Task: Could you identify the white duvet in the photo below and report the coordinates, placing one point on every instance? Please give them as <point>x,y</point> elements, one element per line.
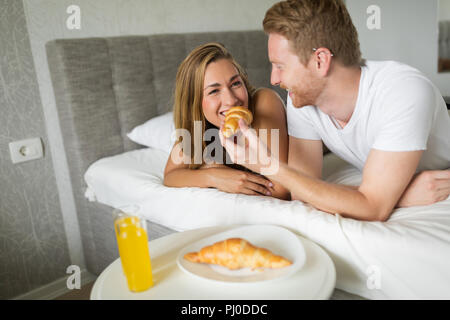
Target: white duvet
<point>407,257</point>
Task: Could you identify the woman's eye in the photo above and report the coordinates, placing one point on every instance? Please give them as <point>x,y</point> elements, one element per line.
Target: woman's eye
<point>213,91</point>
<point>237,83</point>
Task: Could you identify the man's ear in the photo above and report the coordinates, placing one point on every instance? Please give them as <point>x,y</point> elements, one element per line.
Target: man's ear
<point>322,60</point>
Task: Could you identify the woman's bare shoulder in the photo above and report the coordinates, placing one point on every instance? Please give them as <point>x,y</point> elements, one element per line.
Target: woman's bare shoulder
<point>267,93</point>
<point>268,101</point>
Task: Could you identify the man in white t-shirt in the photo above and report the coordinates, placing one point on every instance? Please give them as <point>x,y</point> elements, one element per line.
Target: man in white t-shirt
<point>397,109</point>
<point>385,118</point>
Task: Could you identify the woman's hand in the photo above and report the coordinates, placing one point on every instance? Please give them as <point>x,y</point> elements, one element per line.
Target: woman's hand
<point>236,181</point>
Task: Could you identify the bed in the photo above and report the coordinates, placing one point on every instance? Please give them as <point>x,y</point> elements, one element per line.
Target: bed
<point>105,87</point>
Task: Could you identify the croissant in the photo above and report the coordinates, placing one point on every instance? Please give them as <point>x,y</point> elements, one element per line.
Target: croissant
<point>232,117</point>
<point>236,253</point>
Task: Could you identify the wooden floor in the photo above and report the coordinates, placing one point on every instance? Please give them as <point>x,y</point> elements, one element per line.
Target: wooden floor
<point>82,294</point>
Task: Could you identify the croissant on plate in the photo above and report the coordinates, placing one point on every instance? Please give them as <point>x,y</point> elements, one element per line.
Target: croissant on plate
<point>236,253</point>
<point>232,117</point>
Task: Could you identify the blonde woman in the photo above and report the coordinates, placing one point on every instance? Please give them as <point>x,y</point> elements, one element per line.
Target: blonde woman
<point>209,82</point>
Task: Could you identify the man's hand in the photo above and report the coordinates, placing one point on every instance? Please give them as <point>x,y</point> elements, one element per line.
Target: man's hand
<point>426,188</point>
<point>250,151</point>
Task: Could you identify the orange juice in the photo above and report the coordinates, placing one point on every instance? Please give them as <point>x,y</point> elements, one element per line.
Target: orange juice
<point>133,249</point>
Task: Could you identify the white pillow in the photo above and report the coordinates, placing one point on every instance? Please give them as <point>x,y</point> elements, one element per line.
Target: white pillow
<point>157,133</point>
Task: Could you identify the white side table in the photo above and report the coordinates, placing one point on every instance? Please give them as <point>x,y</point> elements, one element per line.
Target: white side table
<point>316,279</point>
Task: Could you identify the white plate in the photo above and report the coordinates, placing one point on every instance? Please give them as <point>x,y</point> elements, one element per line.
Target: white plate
<point>276,239</point>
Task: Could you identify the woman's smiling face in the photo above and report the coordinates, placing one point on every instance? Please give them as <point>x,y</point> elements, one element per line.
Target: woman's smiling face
<point>223,88</point>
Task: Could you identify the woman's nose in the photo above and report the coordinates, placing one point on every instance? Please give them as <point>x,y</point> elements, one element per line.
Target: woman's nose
<point>230,98</point>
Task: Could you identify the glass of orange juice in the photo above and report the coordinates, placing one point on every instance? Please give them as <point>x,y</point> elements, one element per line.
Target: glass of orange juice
<point>132,241</point>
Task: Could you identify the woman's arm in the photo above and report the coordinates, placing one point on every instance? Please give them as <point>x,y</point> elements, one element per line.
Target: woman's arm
<point>179,175</point>
<point>218,176</point>
<point>269,113</point>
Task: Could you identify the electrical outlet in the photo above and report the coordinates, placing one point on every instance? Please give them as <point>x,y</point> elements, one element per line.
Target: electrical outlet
<point>26,150</point>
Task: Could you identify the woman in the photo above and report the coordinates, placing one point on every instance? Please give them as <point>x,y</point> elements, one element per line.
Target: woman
<point>209,82</point>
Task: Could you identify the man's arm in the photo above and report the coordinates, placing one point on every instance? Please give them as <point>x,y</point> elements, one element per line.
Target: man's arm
<point>305,156</point>
<point>269,114</point>
<point>385,177</point>
<point>424,188</point>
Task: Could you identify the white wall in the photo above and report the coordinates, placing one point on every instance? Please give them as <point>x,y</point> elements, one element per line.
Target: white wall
<point>444,10</point>
<point>46,20</point>
<point>408,33</point>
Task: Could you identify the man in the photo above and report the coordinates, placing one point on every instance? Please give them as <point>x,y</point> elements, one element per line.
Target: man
<point>385,118</point>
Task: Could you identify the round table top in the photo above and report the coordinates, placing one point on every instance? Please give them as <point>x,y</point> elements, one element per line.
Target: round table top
<point>315,280</point>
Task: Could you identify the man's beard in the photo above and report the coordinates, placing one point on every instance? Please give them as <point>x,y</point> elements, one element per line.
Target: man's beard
<point>308,93</point>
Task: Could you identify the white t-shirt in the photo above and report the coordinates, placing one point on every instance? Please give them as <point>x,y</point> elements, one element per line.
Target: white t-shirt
<point>397,109</point>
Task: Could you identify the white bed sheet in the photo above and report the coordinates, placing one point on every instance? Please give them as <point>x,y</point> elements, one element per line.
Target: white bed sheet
<point>407,257</point>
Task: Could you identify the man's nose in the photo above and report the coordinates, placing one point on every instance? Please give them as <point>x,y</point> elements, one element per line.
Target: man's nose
<point>275,77</point>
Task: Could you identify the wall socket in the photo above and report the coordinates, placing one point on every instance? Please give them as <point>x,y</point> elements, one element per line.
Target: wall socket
<point>26,150</point>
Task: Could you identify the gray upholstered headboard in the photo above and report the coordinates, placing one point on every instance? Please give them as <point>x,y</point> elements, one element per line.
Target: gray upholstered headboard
<point>106,86</point>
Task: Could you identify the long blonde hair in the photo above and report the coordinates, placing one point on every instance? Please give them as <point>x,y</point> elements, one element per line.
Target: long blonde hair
<point>189,89</point>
